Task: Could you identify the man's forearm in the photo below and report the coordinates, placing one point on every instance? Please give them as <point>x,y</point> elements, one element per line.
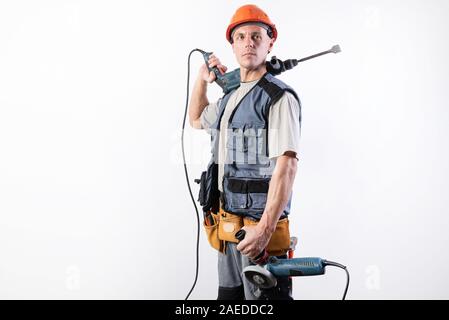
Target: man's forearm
<point>198,100</point>
<point>281,185</point>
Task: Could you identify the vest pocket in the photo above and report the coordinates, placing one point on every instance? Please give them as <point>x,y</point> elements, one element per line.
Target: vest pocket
<point>257,193</point>
<point>236,193</point>
<point>257,200</point>
<point>251,140</point>
<point>246,193</point>
<point>246,143</point>
<point>236,145</point>
<point>238,200</point>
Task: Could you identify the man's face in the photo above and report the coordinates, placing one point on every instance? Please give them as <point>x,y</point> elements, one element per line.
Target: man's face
<point>251,44</point>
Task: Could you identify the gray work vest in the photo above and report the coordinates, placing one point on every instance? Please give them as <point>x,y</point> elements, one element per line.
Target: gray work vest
<point>247,168</point>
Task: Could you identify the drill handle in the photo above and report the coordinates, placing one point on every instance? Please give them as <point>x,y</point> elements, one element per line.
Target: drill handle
<point>219,78</point>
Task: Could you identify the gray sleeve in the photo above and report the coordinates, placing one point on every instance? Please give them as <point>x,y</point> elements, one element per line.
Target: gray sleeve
<point>284,126</point>
<point>209,115</point>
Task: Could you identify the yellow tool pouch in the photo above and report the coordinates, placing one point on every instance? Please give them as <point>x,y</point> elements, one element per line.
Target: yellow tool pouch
<point>280,240</point>
<point>212,232</point>
<point>228,226</point>
<point>225,225</point>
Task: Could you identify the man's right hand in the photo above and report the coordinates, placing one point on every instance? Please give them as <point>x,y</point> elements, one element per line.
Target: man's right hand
<point>199,101</point>
<point>207,76</point>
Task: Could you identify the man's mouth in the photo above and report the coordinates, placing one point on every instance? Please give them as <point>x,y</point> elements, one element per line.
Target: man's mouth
<point>249,54</point>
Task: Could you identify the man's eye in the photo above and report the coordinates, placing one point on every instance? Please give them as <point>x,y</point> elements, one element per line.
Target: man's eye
<point>257,37</point>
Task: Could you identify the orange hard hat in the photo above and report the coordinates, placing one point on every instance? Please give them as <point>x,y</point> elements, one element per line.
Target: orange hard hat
<point>250,13</point>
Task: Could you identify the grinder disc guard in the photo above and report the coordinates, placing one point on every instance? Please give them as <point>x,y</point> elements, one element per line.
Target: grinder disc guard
<point>260,277</point>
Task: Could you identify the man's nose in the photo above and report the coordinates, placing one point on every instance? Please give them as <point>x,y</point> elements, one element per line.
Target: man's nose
<point>249,42</point>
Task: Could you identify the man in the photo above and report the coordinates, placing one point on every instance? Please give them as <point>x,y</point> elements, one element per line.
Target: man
<point>255,135</point>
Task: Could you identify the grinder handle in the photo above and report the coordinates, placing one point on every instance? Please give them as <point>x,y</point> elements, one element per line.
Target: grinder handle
<point>240,235</point>
<point>262,257</point>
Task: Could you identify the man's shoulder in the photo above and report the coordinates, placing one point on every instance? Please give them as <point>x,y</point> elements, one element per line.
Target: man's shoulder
<point>287,100</point>
<point>276,88</point>
<point>289,96</point>
<point>276,81</point>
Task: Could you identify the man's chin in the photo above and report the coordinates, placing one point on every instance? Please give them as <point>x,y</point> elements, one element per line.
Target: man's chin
<point>250,66</point>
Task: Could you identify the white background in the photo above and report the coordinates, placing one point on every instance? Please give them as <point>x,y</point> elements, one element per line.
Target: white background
<point>93,197</point>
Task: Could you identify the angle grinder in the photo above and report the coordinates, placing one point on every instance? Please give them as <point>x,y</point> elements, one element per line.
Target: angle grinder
<point>267,268</point>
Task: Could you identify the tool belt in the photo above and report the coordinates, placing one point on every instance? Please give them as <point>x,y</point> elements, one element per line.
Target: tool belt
<point>222,226</point>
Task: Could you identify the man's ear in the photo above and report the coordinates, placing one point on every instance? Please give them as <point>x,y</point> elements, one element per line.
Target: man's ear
<point>270,47</point>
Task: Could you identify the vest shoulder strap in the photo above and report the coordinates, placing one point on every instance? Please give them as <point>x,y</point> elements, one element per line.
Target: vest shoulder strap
<point>275,89</point>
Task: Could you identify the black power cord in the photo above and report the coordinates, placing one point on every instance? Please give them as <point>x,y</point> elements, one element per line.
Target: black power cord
<point>187,177</point>
<point>338,265</point>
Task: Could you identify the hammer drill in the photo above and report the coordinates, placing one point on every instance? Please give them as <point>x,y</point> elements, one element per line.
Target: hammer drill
<point>231,80</point>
